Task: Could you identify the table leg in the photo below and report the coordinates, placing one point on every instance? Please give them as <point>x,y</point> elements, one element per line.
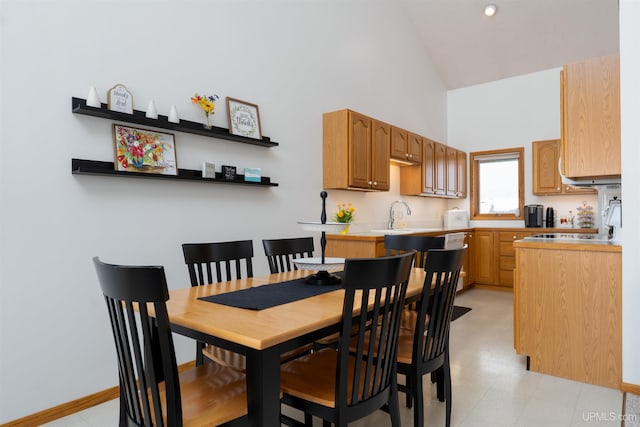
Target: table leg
<point>263,387</point>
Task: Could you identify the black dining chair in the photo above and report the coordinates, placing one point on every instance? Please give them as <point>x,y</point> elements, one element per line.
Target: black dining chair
<point>225,260</point>
<point>344,384</point>
<point>280,253</point>
<point>425,348</point>
<point>152,392</point>
<point>401,243</point>
<point>213,263</point>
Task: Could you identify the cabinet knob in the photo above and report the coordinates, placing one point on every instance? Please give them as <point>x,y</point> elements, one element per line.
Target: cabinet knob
<point>411,156</point>
<point>375,183</point>
<point>515,237</point>
<point>558,188</point>
<point>369,183</point>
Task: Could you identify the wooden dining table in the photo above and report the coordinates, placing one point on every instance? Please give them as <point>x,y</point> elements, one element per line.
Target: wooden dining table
<point>262,335</point>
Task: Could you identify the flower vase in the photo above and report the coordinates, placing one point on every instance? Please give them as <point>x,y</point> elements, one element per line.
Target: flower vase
<point>345,230</point>
<point>208,124</point>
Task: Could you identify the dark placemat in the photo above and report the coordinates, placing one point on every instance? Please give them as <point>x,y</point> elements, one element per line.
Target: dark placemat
<point>267,296</point>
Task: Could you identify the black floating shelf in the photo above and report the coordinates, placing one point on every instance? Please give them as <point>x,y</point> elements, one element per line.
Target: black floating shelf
<point>79,106</point>
<point>94,167</point>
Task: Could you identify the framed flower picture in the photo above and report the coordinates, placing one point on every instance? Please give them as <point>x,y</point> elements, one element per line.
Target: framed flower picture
<point>244,118</point>
<point>142,150</point>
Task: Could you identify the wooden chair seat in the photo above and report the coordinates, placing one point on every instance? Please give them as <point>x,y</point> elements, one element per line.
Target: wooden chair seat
<point>238,361</point>
<point>312,378</point>
<point>297,375</point>
<point>211,395</point>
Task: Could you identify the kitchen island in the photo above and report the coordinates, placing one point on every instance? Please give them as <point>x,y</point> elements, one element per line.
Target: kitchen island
<point>568,308</point>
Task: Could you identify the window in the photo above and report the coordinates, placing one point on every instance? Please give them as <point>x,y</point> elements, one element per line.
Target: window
<point>497,184</point>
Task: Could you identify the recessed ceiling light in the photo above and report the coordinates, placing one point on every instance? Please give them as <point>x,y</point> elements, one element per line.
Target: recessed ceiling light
<point>490,9</point>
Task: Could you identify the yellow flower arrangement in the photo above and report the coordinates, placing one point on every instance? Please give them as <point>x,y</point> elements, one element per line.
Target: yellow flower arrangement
<point>345,213</point>
<point>207,103</point>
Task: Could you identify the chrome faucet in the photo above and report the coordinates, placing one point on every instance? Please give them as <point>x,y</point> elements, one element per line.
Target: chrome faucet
<point>391,218</point>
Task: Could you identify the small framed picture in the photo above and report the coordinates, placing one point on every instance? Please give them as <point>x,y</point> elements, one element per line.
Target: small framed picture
<point>208,170</point>
<point>142,150</point>
<point>120,99</point>
<point>228,173</point>
<point>244,118</point>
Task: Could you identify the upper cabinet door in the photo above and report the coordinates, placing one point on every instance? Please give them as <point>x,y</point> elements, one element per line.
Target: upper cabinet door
<point>590,118</point>
<point>398,143</point>
<point>545,156</point>
<point>546,176</point>
<point>360,150</point>
<point>414,147</point>
<point>381,140</point>
<point>462,174</point>
<point>452,171</point>
<point>440,170</point>
<point>428,166</point>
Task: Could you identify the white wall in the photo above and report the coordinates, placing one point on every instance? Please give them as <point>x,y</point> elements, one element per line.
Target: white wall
<point>511,113</point>
<point>294,59</point>
<point>630,110</point>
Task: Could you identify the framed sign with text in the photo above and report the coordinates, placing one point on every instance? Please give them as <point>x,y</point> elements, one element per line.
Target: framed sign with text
<point>120,99</point>
<point>244,118</point>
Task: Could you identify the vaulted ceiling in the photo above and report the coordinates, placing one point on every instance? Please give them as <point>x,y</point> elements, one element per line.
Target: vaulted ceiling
<point>524,36</point>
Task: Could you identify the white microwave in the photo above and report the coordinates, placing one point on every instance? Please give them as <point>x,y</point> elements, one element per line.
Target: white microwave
<point>455,219</point>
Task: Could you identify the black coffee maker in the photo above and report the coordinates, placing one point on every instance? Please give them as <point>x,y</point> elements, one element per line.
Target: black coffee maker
<point>533,216</point>
<point>550,219</point>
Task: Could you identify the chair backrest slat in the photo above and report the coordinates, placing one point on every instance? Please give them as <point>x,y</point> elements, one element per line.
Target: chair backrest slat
<point>381,285</point>
<point>281,252</point>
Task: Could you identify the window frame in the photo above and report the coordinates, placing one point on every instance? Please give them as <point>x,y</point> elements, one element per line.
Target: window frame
<point>475,184</point>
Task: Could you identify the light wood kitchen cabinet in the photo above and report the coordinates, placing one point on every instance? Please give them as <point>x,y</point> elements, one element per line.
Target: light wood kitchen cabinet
<point>456,172</point>
<point>440,170</point>
<point>428,179</point>
<point>406,147</point>
<point>443,172</point>
<point>468,263</point>
<point>462,174</point>
<point>414,147</point>
<point>451,155</point>
<point>484,262</point>
<point>546,176</point>
<point>568,310</point>
<point>590,118</point>
<point>355,152</point>
<point>506,255</point>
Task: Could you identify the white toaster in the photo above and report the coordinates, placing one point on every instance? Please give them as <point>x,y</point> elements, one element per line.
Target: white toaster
<point>456,218</point>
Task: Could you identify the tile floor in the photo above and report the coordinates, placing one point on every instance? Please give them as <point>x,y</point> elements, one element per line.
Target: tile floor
<point>491,386</point>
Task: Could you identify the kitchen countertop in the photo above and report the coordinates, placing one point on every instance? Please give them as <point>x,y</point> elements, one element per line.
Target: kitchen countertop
<point>575,245</point>
<point>375,235</point>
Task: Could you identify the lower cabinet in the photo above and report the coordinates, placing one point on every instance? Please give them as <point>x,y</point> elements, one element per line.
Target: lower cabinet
<point>484,271</point>
<point>568,310</point>
<point>506,255</point>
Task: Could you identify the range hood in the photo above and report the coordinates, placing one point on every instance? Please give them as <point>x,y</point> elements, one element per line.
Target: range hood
<point>586,182</point>
<point>590,182</point>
